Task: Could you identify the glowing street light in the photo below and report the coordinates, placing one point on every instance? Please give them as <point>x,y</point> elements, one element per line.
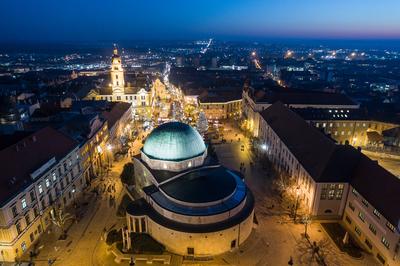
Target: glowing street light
<point>264,147</point>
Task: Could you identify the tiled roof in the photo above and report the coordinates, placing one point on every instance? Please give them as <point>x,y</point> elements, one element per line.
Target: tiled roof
<point>292,96</point>
<point>21,159</point>
<point>379,187</point>
<point>117,111</point>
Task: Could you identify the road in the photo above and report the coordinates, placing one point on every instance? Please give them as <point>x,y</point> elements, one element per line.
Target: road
<point>390,164</point>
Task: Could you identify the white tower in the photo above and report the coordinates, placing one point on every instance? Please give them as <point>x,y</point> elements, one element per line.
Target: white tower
<point>117,74</point>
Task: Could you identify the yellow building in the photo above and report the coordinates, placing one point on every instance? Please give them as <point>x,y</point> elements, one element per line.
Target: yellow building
<point>220,107</point>
<point>39,173</point>
<point>140,93</point>
<point>345,125</point>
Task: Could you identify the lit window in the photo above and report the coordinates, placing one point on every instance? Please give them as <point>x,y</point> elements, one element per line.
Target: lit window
<point>377,213</point>
<point>385,242</point>
<point>47,182</point>
<point>324,125</point>
<point>23,203</point>
<point>361,216</point>
<point>330,125</point>
<point>355,192</point>
<point>54,176</point>
<point>372,228</point>
<point>390,226</point>
<point>40,189</point>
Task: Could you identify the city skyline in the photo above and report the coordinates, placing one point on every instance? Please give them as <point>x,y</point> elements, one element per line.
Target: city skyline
<point>231,20</point>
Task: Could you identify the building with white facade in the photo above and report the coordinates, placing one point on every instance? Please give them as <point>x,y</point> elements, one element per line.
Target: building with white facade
<point>38,173</point>
<point>139,92</point>
<point>255,100</point>
<point>335,182</point>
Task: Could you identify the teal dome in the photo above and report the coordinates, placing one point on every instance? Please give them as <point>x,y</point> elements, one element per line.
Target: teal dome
<point>174,141</point>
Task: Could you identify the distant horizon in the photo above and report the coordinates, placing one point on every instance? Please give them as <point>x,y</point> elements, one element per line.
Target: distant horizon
<point>393,44</point>
<point>252,20</point>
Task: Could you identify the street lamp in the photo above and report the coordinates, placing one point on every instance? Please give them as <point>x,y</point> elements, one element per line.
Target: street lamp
<point>297,203</point>
<point>264,147</point>
<point>109,149</point>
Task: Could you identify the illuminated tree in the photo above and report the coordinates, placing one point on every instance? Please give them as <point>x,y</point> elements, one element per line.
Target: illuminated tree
<point>202,123</point>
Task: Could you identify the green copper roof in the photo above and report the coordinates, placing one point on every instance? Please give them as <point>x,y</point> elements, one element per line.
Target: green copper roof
<point>174,141</point>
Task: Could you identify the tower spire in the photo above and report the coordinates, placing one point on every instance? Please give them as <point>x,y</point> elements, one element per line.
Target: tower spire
<point>115,49</point>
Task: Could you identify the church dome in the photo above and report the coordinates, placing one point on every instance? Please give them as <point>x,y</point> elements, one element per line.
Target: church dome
<point>174,141</point>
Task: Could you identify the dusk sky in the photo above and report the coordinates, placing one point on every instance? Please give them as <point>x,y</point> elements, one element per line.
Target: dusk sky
<point>92,20</point>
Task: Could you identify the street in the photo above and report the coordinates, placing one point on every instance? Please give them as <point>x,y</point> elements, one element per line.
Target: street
<point>392,163</point>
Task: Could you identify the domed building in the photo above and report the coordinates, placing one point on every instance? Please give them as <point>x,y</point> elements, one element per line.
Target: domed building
<point>174,147</point>
<point>190,203</point>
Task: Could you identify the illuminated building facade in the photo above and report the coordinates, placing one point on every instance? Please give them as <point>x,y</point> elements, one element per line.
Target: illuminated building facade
<point>257,100</point>
<point>39,173</point>
<point>334,182</point>
<point>140,97</point>
<point>190,204</point>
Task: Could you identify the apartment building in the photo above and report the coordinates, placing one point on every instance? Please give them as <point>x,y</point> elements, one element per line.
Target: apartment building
<point>38,173</point>
<point>335,182</point>
<point>255,100</point>
<point>221,105</point>
<point>353,126</point>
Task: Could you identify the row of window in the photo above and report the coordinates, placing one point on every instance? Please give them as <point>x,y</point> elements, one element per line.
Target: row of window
<point>338,124</point>
<point>332,191</point>
<point>131,98</point>
<point>384,241</point>
<point>375,212</point>
<point>371,227</point>
<point>47,182</point>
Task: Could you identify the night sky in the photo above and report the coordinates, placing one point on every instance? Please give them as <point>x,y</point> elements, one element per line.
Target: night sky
<point>95,20</point>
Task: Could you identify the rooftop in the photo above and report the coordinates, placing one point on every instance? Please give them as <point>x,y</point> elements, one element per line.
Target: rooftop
<point>141,207</point>
<point>118,109</point>
<point>21,159</point>
<point>297,96</point>
<point>327,162</point>
<point>201,186</point>
<point>174,141</point>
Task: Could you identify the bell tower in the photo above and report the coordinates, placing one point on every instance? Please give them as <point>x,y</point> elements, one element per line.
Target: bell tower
<point>117,74</point>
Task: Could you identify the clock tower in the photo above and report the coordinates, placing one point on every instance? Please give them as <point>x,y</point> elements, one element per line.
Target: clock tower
<point>117,74</point>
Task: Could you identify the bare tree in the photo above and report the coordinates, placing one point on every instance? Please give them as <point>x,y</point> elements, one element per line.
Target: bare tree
<point>60,218</point>
<point>313,251</point>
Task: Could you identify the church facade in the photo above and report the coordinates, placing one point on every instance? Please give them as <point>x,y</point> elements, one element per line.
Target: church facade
<point>140,95</point>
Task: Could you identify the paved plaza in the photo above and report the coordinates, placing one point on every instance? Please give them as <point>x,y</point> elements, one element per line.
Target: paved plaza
<point>274,241</point>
